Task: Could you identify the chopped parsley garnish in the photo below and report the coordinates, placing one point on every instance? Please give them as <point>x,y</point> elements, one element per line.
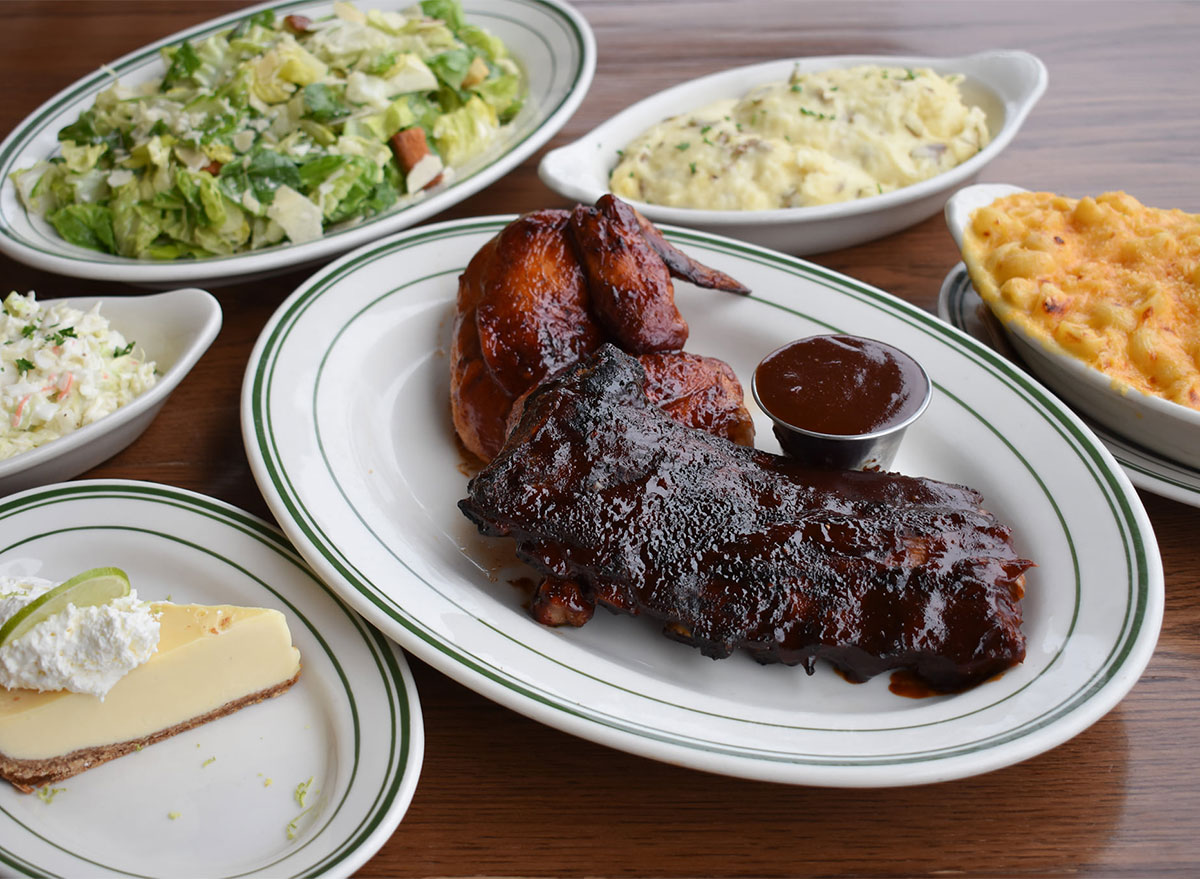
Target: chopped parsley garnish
<point>121,352</point>
<point>692,165</point>
<point>796,87</point>
<point>23,365</point>
<point>60,336</point>
<point>28,330</point>
<point>804,111</point>
<point>682,146</point>
<point>911,75</point>
<point>706,129</point>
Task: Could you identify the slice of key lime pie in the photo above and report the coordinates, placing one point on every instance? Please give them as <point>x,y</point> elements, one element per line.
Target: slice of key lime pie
<point>88,672</point>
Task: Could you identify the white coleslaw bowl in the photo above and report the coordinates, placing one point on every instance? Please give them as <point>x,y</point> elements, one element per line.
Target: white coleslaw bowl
<point>1006,84</point>
<point>1154,422</point>
<point>174,329</point>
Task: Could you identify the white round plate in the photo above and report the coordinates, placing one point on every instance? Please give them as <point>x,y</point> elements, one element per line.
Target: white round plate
<point>1006,84</point>
<point>346,420</point>
<point>959,305</point>
<point>352,723</point>
<point>174,329</point>
<point>553,44</point>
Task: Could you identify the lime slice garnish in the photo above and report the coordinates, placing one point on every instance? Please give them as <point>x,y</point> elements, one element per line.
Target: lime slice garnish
<point>97,586</point>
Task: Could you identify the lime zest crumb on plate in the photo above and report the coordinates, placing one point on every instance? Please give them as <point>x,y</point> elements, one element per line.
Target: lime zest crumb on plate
<point>47,794</point>
<point>302,791</point>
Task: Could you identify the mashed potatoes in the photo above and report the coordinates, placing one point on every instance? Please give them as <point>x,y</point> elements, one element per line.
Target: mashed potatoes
<point>818,138</point>
<point>1110,281</point>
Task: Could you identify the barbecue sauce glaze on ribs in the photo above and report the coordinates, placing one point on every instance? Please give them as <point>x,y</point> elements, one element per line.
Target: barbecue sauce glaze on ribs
<point>732,547</point>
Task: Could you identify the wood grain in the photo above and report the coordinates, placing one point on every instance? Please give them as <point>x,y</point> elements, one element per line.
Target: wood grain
<point>501,795</point>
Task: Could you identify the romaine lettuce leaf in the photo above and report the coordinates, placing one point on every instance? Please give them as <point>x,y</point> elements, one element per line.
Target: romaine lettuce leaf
<point>503,92</point>
<point>451,67</point>
<point>449,11</point>
<point>82,157</point>
<point>89,129</point>
<point>325,103</point>
<point>466,131</point>
<point>202,197</point>
<point>35,186</point>
<point>182,62</point>
<point>135,225</point>
<point>260,172</point>
<point>170,250</point>
<point>85,225</point>
<point>477,38</point>
<point>228,236</point>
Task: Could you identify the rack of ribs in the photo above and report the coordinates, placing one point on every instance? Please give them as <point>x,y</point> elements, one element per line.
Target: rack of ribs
<point>735,548</point>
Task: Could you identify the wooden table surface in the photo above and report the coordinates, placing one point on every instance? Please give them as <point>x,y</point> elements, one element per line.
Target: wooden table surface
<point>501,795</point>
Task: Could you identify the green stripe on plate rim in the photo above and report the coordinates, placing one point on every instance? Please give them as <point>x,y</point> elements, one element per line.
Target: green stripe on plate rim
<point>1124,450</point>
<point>140,58</point>
<point>996,365</point>
<point>376,644</point>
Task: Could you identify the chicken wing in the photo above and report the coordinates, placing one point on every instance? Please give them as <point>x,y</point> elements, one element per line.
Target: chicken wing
<point>554,285</point>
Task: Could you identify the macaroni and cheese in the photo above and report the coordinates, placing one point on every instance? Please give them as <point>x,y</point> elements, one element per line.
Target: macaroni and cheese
<point>1112,282</point>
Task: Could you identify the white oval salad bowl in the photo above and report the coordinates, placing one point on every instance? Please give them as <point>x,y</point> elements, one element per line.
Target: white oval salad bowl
<point>174,329</point>
<point>551,42</point>
<point>1153,422</point>
<point>1006,84</point>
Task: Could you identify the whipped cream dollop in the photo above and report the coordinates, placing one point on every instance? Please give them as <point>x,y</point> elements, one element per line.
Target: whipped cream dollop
<point>81,649</point>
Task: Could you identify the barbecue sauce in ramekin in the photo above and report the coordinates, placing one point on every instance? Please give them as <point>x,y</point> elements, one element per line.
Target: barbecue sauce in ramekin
<point>841,401</point>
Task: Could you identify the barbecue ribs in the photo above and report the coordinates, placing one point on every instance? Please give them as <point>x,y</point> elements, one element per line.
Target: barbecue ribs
<point>732,547</point>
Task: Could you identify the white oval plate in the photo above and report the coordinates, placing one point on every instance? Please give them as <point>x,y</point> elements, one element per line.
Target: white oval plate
<point>551,41</point>
<point>1006,84</point>
<point>959,305</point>
<point>1163,427</point>
<point>352,722</point>
<point>346,419</point>
<point>174,329</point>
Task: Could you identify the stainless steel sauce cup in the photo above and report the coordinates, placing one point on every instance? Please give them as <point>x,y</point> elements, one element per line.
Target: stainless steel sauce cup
<point>874,450</point>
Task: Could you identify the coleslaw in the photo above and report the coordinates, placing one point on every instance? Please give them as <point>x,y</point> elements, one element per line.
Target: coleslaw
<point>60,369</point>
